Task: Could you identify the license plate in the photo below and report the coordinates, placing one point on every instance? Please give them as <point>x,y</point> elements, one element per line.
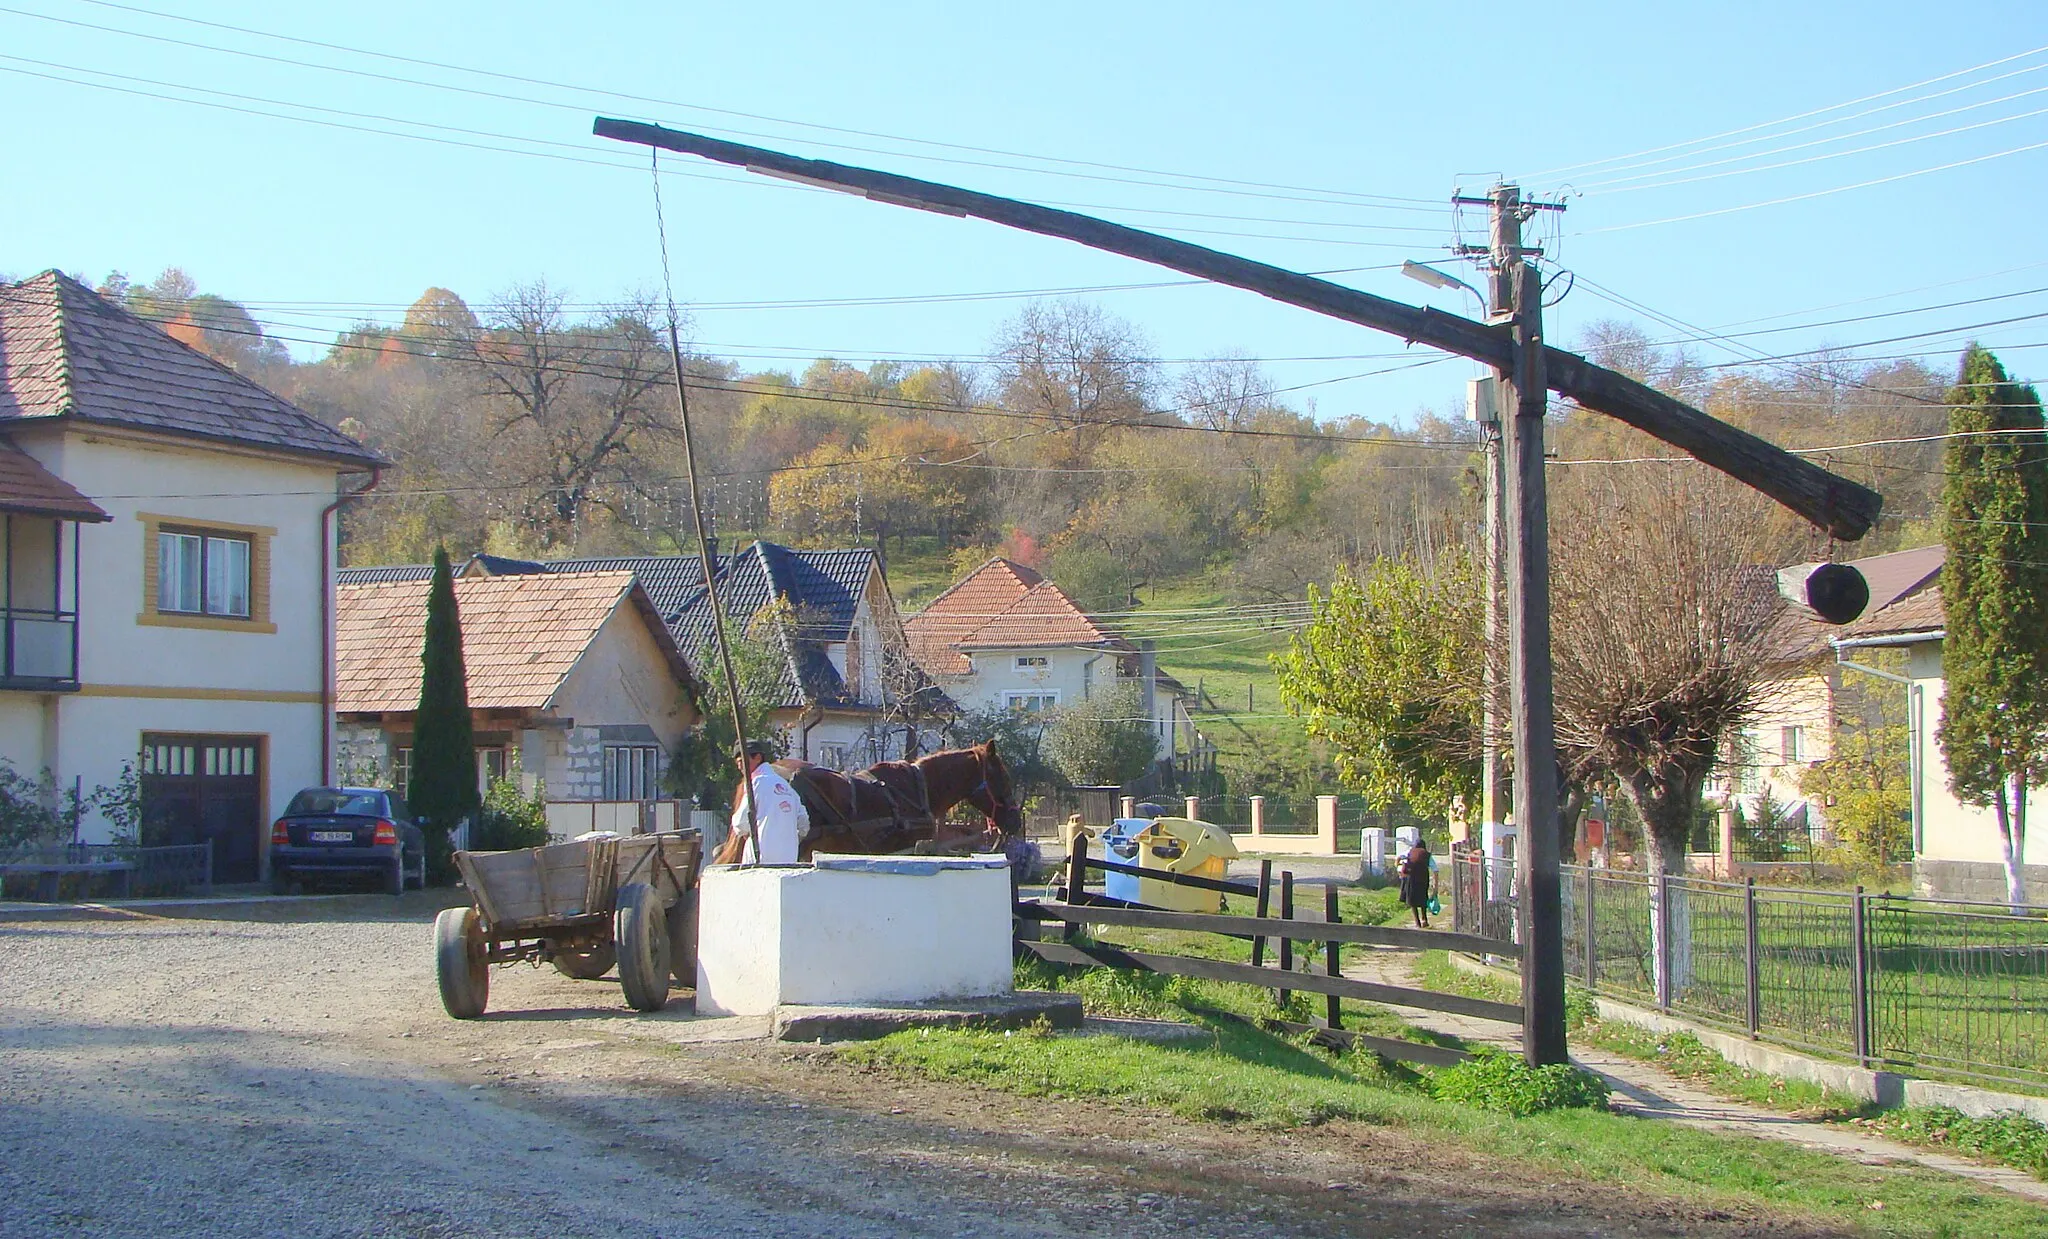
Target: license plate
<point>333,836</point>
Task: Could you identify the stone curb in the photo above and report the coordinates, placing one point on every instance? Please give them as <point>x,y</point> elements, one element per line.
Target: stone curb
<point>863,1023</point>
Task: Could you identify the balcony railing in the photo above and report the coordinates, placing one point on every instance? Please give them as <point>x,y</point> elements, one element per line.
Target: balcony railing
<point>38,649</point>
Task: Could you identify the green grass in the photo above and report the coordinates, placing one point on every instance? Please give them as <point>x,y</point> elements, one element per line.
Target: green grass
<point>1238,1073</point>
<point>2009,1139</point>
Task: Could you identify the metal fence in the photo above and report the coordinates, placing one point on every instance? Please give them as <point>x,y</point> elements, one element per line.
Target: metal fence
<point>82,870</point>
<point>1886,980</point>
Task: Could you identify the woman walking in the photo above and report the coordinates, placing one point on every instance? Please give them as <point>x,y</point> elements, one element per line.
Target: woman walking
<point>1415,874</point>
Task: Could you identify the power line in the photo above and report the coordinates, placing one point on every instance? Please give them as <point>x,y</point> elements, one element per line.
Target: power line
<point>1622,187</point>
<point>1328,197</point>
<point>1623,180</point>
<point>1772,124</point>
<point>1818,193</point>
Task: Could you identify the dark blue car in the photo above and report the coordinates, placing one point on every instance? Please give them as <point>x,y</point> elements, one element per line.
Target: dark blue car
<point>347,832</point>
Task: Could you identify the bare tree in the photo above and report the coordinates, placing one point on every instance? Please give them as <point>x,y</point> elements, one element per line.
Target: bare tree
<point>567,404</point>
<point>1662,635</point>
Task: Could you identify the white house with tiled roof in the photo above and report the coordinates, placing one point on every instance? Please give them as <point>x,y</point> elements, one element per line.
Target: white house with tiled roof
<point>1005,638</point>
<point>166,542</point>
<point>572,677</point>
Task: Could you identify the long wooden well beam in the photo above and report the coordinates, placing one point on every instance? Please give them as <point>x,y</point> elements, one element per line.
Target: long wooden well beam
<point>1844,508</point>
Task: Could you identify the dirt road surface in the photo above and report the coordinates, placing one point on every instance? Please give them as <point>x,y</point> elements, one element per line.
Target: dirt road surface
<point>288,1071</point>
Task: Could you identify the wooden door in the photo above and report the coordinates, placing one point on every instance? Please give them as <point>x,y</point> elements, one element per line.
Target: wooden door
<point>206,789</point>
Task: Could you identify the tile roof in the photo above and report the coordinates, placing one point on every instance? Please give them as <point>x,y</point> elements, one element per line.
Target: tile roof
<point>936,631</point>
<point>27,487</point>
<point>65,351</point>
<point>521,636</point>
<point>379,575</point>
<point>1000,605</point>
<point>824,587</point>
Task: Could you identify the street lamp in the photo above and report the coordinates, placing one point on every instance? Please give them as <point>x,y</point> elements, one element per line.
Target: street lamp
<point>1437,279</point>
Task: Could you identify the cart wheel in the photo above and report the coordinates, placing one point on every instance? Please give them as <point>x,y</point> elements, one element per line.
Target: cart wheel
<point>459,961</point>
<point>682,940</point>
<point>640,933</point>
<point>588,963</point>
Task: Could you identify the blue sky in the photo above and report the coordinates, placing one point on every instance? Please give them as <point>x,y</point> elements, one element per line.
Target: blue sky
<point>1334,133</point>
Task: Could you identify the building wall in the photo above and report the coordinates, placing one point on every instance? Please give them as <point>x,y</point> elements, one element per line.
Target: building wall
<point>1806,702</point>
<point>261,678</point>
<point>1070,674</point>
<point>622,683</point>
<point>1949,829</point>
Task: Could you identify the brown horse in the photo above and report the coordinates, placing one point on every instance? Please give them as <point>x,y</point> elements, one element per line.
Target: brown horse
<point>895,806</point>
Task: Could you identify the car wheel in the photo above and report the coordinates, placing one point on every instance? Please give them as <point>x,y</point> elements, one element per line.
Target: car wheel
<point>395,884</point>
<point>418,880</point>
<point>460,964</point>
<point>280,882</point>
<point>640,934</point>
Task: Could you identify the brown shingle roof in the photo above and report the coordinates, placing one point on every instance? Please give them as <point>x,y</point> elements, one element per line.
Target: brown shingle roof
<point>65,351</point>
<point>521,636</point>
<point>27,487</point>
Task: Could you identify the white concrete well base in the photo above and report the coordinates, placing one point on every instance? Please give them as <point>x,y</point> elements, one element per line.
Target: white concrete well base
<point>851,930</point>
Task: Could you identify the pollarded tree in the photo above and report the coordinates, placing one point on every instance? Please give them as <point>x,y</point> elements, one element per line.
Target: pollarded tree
<point>1994,588</point>
<point>1661,641</point>
<point>443,790</point>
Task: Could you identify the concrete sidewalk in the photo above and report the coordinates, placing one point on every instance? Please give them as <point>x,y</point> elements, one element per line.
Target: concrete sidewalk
<point>1643,1090</point>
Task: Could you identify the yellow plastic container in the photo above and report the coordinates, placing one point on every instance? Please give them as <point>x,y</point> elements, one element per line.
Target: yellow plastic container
<point>1185,846</point>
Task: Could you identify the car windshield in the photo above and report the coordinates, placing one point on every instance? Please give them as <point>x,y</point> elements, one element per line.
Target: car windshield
<point>335,802</point>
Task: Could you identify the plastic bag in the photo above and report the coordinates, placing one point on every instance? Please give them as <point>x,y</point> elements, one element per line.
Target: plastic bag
<point>1435,908</point>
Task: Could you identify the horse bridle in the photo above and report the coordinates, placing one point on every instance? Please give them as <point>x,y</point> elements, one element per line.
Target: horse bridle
<point>982,788</point>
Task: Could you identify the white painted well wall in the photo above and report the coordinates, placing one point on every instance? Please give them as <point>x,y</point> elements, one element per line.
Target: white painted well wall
<point>770,937</point>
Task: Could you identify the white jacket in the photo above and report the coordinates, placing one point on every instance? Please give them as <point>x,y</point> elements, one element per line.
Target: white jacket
<point>780,816</point>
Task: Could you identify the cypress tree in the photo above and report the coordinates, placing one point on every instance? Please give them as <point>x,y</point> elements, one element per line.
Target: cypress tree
<point>1994,587</point>
<point>443,789</point>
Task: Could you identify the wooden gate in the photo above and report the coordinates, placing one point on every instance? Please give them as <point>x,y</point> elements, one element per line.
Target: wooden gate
<point>206,789</point>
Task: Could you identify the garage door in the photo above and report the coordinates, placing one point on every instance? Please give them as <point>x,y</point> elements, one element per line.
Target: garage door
<point>206,789</point>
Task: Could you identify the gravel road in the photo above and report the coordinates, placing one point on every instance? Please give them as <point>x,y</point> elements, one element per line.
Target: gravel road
<point>288,1071</point>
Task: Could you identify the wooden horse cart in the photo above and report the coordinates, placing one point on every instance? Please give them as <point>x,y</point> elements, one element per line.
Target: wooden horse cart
<point>583,907</point>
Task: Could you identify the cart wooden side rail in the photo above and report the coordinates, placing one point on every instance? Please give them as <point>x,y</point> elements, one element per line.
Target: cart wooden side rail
<point>584,907</point>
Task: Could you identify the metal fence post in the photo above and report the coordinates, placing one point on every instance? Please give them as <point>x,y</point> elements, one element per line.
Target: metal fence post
<point>1662,963</point>
<point>1859,976</point>
<point>1333,964</point>
<point>1592,944</point>
<point>1749,959</point>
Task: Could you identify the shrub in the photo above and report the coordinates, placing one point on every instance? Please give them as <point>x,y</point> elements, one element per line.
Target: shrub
<point>1492,1080</point>
<point>510,820</point>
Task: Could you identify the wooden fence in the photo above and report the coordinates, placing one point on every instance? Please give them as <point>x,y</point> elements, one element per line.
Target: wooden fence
<point>1076,907</point>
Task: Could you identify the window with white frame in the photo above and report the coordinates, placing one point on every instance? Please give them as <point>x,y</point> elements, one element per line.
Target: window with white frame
<point>401,769</point>
<point>1791,744</point>
<point>632,771</point>
<point>1032,662</point>
<point>1745,775</point>
<point>1031,703</point>
<point>202,574</point>
<point>832,756</point>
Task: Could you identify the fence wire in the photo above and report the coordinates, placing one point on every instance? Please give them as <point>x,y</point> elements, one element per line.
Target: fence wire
<point>1944,987</point>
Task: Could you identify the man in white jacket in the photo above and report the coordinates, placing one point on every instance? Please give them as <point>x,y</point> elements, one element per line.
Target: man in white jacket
<point>780,819</point>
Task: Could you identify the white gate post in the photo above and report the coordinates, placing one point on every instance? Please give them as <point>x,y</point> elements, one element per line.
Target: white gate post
<point>1258,815</point>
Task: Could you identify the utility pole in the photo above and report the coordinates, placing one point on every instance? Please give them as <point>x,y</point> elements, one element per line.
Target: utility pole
<point>1524,395</point>
<point>1489,727</point>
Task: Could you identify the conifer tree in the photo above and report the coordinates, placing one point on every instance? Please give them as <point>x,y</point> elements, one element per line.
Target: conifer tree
<point>443,790</point>
<point>1994,587</point>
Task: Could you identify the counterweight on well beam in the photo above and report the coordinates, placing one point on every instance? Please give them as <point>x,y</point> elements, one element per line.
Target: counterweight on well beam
<point>1843,508</point>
